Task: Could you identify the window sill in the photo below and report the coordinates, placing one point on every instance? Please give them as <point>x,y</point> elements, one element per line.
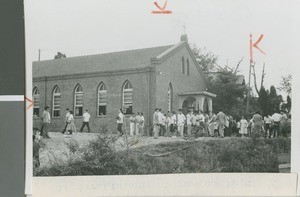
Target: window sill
<point>101,116</point>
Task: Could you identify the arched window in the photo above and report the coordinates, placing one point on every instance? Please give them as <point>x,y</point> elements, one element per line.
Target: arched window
<point>36,102</point>
<point>187,67</point>
<point>102,99</point>
<point>182,65</point>
<point>170,97</point>
<point>78,100</point>
<point>56,102</point>
<point>127,97</point>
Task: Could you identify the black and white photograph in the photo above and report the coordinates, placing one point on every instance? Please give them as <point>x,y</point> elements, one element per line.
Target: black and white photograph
<point>166,87</point>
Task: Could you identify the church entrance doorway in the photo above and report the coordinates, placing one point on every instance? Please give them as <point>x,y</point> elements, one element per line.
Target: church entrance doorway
<point>189,104</point>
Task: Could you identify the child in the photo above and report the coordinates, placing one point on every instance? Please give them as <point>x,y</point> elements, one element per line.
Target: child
<point>132,120</point>
<point>243,126</point>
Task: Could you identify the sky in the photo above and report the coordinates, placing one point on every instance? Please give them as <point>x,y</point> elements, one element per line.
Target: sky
<point>84,27</point>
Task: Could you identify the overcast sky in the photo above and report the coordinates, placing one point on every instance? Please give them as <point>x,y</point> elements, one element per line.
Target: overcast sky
<point>83,27</point>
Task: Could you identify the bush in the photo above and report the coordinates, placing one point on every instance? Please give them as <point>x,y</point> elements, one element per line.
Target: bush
<point>286,128</point>
<point>100,157</point>
<point>279,145</point>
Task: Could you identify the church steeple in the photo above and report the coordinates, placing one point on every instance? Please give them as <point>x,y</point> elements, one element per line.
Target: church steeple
<point>184,38</point>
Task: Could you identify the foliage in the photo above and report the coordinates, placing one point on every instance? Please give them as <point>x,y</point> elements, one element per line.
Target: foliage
<point>286,84</point>
<point>72,145</point>
<point>98,157</point>
<point>230,94</point>
<point>59,55</point>
<point>269,101</point>
<point>279,145</point>
<point>275,100</point>
<point>263,101</point>
<point>286,106</point>
<point>206,59</point>
<point>216,155</point>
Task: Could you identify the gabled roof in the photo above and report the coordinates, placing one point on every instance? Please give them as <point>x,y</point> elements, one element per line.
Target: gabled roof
<point>130,59</point>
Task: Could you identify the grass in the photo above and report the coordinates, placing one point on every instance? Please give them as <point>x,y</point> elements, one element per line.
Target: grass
<point>101,157</point>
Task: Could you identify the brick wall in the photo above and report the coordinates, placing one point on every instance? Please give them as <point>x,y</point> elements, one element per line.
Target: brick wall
<point>171,72</point>
<point>90,85</point>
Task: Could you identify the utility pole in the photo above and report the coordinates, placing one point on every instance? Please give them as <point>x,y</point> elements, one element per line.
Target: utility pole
<point>248,90</point>
<point>262,77</point>
<point>255,45</point>
<point>39,55</point>
<point>250,67</point>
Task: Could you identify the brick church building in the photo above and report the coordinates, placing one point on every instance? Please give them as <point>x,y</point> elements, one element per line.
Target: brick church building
<point>167,77</point>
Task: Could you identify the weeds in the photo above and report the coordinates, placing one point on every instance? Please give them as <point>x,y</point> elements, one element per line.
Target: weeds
<point>103,156</point>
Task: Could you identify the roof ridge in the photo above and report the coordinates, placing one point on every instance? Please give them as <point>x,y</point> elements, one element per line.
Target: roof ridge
<point>98,54</point>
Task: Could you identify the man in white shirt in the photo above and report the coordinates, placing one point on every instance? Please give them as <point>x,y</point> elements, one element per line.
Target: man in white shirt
<point>267,124</point>
<point>276,118</point>
<point>156,123</point>
<point>46,122</point>
<point>180,122</point>
<point>120,120</point>
<point>66,120</point>
<point>86,120</point>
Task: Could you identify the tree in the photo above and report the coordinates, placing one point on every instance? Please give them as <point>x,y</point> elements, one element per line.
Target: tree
<point>263,101</point>
<point>275,100</point>
<point>206,59</point>
<point>224,82</point>
<point>288,103</point>
<point>286,84</point>
<point>262,78</point>
<point>230,94</point>
<point>286,106</point>
<point>59,55</point>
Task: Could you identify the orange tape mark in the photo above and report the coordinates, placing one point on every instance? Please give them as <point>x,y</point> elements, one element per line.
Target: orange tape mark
<point>256,46</point>
<point>162,10</point>
<point>31,103</point>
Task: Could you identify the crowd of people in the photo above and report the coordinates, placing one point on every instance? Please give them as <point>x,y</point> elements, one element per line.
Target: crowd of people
<point>200,124</point>
<point>69,128</point>
<point>193,124</point>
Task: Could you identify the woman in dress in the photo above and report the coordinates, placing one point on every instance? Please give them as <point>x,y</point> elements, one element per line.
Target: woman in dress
<point>132,120</point>
<point>71,126</point>
<point>243,127</point>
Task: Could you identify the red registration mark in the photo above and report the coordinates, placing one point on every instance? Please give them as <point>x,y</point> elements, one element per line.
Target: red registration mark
<point>162,10</point>
<point>30,103</point>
